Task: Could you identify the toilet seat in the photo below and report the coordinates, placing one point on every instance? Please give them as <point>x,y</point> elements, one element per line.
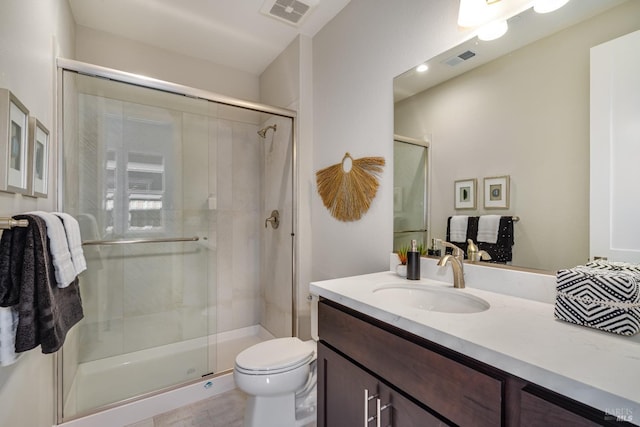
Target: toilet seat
<point>274,356</point>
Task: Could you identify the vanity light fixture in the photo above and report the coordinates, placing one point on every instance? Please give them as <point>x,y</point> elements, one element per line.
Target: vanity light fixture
<point>546,6</point>
<point>422,68</point>
<point>476,13</point>
<point>493,30</point>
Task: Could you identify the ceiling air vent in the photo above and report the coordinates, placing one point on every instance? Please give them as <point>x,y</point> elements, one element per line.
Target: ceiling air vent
<point>289,11</point>
<point>455,60</point>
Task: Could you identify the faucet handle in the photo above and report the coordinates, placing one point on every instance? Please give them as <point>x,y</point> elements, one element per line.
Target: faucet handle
<point>457,252</point>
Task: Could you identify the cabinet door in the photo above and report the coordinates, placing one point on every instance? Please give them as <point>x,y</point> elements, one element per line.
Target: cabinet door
<point>341,388</point>
<point>538,412</point>
<point>341,397</point>
<point>401,412</point>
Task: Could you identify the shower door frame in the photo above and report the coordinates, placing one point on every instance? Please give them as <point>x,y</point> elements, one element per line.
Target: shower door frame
<point>92,70</point>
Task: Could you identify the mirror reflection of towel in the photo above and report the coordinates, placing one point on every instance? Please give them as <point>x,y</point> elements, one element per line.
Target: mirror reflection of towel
<point>501,251</point>
<point>458,228</point>
<point>488,228</point>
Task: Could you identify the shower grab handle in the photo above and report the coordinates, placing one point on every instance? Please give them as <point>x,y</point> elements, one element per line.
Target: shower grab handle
<point>132,241</point>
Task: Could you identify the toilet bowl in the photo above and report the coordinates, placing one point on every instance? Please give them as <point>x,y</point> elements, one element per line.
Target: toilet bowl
<point>279,377</point>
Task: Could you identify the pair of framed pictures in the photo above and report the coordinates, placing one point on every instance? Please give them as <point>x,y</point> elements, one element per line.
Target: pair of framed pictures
<point>24,149</point>
<point>496,193</point>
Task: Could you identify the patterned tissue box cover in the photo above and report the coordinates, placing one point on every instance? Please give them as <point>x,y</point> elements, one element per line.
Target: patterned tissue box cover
<point>600,295</point>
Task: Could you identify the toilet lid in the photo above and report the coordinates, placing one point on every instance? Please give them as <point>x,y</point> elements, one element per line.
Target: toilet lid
<point>275,355</point>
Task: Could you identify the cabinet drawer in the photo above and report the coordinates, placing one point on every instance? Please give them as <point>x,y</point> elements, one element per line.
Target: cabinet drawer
<point>457,392</point>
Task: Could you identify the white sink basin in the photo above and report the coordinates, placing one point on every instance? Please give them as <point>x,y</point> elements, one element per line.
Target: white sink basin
<point>429,298</point>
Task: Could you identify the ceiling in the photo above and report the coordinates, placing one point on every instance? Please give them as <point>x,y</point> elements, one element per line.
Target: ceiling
<point>233,33</point>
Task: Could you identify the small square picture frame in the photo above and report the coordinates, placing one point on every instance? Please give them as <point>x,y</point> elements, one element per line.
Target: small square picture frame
<point>496,192</point>
<point>38,158</point>
<point>465,193</point>
<point>14,149</point>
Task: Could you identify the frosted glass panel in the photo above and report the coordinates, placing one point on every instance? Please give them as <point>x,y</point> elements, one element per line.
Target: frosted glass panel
<point>126,178</point>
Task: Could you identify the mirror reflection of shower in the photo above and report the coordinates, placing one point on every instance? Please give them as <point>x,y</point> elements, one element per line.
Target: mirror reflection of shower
<point>263,132</point>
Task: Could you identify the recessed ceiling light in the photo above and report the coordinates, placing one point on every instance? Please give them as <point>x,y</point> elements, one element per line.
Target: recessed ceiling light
<point>422,68</point>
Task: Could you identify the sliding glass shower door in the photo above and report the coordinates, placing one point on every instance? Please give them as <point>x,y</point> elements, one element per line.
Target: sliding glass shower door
<point>174,194</point>
<point>137,177</point>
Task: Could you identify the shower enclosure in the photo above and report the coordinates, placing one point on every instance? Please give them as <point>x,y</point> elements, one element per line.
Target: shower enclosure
<point>174,189</point>
<point>410,191</point>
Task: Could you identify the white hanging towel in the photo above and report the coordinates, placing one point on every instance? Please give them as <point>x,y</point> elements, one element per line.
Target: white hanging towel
<point>61,257</point>
<point>488,228</point>
<point>8,328</point>
<point>458,228</point>
<point>74,240</point>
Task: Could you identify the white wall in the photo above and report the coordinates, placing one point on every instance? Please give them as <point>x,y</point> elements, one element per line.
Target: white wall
<point>108,50</point>
<point>355,58</point>
<point>32,33</point>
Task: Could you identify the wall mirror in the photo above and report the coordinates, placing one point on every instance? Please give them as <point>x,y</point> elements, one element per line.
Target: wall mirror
<point>518,107</point>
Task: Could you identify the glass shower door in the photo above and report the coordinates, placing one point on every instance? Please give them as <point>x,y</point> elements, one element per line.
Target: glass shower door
<point>409,193</point>
<point>137,178</point>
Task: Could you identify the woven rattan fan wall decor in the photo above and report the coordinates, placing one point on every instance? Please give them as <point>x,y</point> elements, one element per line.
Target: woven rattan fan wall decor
<point>347,192</point>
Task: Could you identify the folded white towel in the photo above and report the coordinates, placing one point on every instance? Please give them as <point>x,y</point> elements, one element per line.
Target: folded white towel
<point>458,228</point>
<point>74,240</point>
<point>61,257</point>
<point>8,327</point>
<point>488,228</point>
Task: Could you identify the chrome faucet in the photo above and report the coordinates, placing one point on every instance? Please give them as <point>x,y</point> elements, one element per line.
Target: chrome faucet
<point>456,260</point>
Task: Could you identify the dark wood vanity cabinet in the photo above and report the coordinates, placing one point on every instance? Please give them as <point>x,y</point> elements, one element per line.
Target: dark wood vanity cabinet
<point>350,395</point>
<point>420,383</point>
<point>426,382</point>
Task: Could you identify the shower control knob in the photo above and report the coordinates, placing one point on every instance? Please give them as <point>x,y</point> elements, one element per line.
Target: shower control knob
<point>274,219</point>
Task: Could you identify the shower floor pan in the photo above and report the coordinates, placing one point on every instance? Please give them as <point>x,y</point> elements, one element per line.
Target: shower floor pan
<point>118,378</point>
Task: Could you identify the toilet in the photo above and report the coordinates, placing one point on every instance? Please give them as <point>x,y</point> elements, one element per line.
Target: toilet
<point>279,377</point>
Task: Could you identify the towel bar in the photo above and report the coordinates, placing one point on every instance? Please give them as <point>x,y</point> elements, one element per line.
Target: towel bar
<point>132,241</point>
<point>7,223</point>
<point>412,231</point>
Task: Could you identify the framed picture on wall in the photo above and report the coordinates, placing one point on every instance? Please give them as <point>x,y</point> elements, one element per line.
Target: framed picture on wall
<point>14,151</point>
<point>39,158</point>
<point>465,194</point>
<point>496,192</point>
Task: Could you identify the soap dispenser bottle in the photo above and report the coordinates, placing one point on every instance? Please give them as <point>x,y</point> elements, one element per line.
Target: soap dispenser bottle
<point>413,262</point>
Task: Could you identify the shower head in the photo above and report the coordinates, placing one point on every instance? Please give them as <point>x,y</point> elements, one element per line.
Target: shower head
<point>263,132</point>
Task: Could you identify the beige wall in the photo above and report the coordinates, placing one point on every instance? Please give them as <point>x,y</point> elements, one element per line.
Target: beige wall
<point>525,115</point>
<point>32,33</point>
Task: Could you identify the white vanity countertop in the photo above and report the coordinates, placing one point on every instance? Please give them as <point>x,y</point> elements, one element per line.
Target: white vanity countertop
<point>516,335</point>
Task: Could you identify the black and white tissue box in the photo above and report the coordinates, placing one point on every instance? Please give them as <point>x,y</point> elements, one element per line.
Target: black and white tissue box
<point>600,295</point>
